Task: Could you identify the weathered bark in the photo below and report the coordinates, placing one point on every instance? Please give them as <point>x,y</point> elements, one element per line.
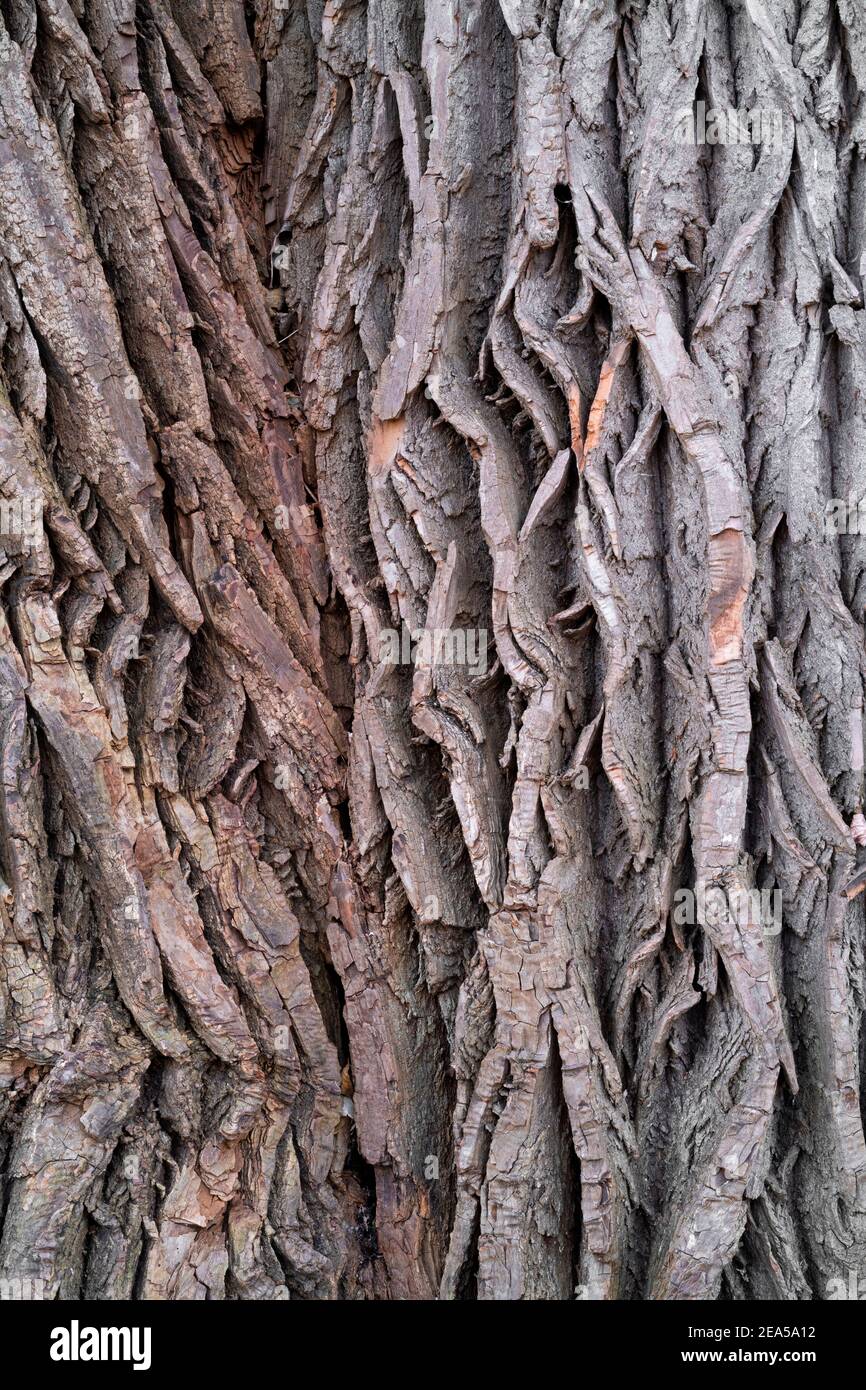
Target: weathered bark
<point>325,974</point>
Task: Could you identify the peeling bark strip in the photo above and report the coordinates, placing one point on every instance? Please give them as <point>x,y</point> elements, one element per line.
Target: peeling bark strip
<point>418,426</point>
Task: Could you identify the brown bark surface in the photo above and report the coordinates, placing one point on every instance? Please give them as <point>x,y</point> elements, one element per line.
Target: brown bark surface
<point>328,327</point>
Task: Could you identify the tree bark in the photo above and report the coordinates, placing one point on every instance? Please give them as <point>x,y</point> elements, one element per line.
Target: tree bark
<point>422,644</point>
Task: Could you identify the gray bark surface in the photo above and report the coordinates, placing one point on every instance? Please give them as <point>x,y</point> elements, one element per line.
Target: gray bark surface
<point>325,976</point>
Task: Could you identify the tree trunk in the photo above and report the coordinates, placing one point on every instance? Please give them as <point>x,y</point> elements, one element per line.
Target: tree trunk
<point>431,693</point>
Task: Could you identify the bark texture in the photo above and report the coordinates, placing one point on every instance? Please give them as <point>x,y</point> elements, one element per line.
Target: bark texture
<point>328,976</point>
